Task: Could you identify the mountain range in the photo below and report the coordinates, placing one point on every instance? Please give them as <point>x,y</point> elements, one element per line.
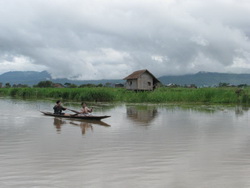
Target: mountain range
<point>207,79</point>
<point>199,79</point>
<point>33,77</point>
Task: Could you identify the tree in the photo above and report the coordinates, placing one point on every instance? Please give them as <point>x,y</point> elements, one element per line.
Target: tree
<point>224,84</point>
<point>44,84</point>
<point>242,85</point>
<point>7,85</point>
<point>87,85</point>
<point>108,84</point>
<point>67,84</point>
<point>73,86</point>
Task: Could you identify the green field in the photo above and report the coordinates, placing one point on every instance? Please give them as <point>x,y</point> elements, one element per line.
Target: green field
<point>160,95</point>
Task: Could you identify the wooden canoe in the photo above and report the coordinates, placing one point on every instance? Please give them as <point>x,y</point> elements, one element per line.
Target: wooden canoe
<point>88,117</point>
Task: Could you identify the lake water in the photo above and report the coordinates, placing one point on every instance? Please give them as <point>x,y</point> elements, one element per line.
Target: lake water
<point>140,146</point>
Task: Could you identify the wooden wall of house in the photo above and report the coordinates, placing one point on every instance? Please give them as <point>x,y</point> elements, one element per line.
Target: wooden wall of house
<point>145,82</point>
<point>131,84</point>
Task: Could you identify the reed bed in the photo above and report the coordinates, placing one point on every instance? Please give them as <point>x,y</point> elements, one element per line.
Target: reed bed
<point>160,95</point>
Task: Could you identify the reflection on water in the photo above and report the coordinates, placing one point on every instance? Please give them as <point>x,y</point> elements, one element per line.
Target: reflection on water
<point>189,146</point>
<point>143,114</point>
<point>83,124</point>
<point>58,122</point>
<point>240,110</point>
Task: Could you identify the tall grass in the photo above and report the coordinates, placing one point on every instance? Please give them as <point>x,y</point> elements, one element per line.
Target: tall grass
<point>77,94</point>
<point>160,95</point>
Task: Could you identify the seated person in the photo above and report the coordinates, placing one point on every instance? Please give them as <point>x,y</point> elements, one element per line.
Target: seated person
<point>58,108</point>
<point>85,110</point>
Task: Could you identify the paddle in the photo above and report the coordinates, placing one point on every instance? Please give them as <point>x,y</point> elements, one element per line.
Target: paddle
<point>73,111</point>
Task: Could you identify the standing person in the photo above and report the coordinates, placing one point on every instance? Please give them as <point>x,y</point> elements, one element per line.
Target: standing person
<point>85,110</point>
<point>58,108</point>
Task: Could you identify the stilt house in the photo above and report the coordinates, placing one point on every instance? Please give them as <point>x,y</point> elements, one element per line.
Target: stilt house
<point>141,80</point>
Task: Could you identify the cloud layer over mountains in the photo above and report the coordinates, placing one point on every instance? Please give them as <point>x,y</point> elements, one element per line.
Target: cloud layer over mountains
<point>104,39</point>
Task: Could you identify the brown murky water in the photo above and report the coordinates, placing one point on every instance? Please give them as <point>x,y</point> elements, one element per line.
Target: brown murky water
<point>139,146</point>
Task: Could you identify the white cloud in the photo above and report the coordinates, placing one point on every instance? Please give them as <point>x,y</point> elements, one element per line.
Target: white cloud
<point>18,63</point>
<point>199,40</point>
<point>241,62</point>
<point>112,38</point>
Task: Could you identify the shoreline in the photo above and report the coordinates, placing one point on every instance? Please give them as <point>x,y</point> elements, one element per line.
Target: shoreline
<point>225,95</point>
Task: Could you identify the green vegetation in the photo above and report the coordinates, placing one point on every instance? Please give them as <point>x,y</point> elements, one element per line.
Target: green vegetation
<point>161,95</point>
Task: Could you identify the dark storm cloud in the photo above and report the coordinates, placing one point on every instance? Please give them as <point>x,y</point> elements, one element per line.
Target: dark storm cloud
<point>111,38</point>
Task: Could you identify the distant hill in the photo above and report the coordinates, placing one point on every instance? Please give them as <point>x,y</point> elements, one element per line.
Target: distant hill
<point>95,82</point>
<point>24,77</point>
<point>199,79</point>
<point>32,77</point>
<point>207,79</point>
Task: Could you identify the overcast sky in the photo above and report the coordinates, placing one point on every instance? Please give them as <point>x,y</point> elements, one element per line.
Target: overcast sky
<point>109,39</point>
